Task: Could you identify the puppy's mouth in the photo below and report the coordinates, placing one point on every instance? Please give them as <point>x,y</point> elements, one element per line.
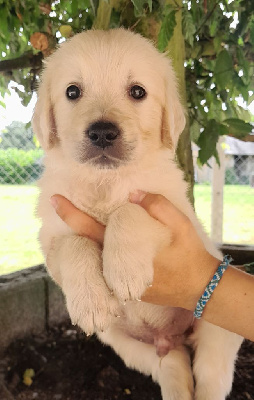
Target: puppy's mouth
<point>104,147</point>
<point>104,161</point>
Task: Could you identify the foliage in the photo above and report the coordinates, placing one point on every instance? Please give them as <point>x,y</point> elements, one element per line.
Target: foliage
<point>20,166</point>
<point>219,71</point>
<point>17,135</point>
<point>167,27</point>
<point>219,41</point>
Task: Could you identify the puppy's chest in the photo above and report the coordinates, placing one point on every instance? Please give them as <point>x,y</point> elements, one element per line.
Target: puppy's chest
<point>101,214</point>
<point>98,202</point>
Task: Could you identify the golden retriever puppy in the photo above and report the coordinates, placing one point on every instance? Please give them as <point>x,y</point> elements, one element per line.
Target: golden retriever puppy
<point>108,116</point>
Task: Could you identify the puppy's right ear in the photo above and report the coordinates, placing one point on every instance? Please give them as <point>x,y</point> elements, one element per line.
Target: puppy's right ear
<point>43,121</point>
<point>173,113</point>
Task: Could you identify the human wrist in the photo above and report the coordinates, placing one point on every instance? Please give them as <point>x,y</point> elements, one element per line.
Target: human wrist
<point>211,286</point>
<point>202,269</point>
<point>180,281</point>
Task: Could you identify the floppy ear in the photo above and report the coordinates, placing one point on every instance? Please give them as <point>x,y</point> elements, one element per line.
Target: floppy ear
<point>43,121</point>
<point>173,113</point>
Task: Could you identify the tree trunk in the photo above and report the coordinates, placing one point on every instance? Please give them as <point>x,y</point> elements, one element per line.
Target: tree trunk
<point>103,14</point>
<point>176,49</point>
<point>149,27</point>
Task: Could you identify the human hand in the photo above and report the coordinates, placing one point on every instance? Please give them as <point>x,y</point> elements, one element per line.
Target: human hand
<point>181,269</point>
<point>80,222</point>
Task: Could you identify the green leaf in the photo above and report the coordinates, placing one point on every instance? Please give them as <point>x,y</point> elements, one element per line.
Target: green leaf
<point>208,140</point>
<point>223,70</point>
<point>243,63</point>
<point>238,127</point>
<point>214,27</point>
<point>250,99</point>
<point>195,131</point>
<point>167,29</point>
<point>74,7</point>
<point>139,6</point>
<point>189,27</point>
<point>2,104</point>
<point>4,31</point>
<point>150,5</point>
<point>217,43</point>
<point>94,5</point>
<point>252,31</point>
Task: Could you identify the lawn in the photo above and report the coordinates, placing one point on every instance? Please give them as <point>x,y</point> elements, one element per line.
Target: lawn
<point>238,210</point>
<point>19,247</point>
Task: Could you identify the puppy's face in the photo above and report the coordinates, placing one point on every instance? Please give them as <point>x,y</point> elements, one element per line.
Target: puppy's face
<point>107,99</point>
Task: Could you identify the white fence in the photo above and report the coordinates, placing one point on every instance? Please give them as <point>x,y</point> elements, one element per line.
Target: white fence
<point>232,192</point>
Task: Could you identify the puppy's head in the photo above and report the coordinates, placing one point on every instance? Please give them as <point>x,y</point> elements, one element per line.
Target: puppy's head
<point>108,99</point>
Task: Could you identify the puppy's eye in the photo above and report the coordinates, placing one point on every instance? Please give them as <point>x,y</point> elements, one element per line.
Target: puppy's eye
<point>137,92</point>
<point>73,92</point>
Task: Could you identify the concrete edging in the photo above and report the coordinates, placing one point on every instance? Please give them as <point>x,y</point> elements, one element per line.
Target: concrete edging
<point>30,303</point>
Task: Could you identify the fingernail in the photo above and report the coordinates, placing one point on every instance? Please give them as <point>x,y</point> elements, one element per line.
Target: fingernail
<point>137,196</point>
<point>54,202</point>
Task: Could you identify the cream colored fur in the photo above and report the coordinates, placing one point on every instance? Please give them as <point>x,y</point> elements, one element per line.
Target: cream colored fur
<point>104,65</point>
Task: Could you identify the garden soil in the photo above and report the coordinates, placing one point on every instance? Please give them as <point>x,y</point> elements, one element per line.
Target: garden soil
<point>66,365</point>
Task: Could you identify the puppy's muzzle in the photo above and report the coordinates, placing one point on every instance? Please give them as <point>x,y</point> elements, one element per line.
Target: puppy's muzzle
<point>102,134</point>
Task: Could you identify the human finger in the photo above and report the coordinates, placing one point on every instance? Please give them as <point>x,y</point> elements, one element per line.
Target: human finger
<point>161,209</point>
<point>80,222</point>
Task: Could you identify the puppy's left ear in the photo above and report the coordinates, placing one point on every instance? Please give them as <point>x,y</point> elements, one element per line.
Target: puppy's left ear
<point>173,113</point>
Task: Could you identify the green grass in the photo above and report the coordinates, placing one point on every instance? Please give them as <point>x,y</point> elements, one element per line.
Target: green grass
<point>19,247</point>
<point>238,219</point>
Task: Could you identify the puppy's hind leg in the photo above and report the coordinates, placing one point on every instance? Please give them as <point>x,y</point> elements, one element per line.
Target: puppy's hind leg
<point>173,372</point>
<point>174,375</point>
<point>215,353</point>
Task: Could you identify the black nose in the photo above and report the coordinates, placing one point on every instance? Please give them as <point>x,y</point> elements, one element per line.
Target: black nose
<point>102,134</point>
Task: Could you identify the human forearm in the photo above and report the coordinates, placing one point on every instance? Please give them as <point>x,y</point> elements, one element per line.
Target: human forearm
<point>183,268</point>
<point>231,305</point>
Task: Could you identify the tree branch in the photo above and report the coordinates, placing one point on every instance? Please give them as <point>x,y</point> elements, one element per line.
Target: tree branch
<point>207,17</point>
<point>27,60</point>
<point>247,138</point>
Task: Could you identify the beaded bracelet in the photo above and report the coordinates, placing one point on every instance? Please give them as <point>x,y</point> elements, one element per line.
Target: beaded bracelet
<point>211,286</point>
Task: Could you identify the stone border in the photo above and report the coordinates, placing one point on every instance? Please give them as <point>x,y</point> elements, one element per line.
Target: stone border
<point>30,303</point>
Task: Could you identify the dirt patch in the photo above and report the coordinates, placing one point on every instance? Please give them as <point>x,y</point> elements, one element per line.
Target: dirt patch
<point>69,366</point>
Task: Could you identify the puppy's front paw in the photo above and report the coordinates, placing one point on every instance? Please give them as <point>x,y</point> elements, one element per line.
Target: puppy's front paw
<point>92,310</point>
<point>128,272</point>
<point>131,241</point>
